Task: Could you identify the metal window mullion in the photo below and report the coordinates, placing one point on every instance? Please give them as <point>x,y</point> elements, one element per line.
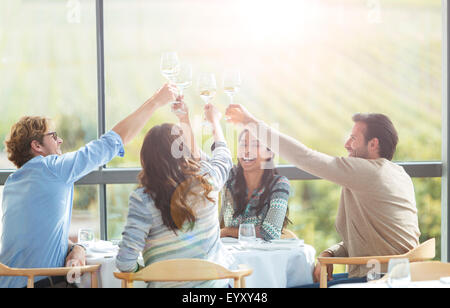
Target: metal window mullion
<point>445,189</point>
<point>101,110</point>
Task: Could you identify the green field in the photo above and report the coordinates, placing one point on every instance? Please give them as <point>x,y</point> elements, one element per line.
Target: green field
<point>306,68</point>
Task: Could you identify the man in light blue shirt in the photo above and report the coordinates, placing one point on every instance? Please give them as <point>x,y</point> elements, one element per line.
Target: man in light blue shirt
<point>37,198</point>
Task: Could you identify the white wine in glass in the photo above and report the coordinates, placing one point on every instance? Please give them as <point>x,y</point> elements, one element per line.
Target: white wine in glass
<point>184,78</point>
<point>231,83</point>
<point>207,87</point>
<point>170,65</point>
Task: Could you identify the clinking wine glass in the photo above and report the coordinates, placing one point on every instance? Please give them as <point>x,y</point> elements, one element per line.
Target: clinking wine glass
<point>207,88</point>
<point>231,83</point>
<point>170,66</point>
<point>183,80</point>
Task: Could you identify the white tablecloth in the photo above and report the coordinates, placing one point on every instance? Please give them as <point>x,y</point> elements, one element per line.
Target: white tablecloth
<point>274,268</point>
<point>415,284</point>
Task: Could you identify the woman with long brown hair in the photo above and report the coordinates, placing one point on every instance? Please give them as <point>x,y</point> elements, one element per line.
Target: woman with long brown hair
<point>255,193</point>
<point>174,212</point>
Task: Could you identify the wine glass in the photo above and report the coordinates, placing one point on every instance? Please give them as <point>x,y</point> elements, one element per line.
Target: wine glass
<point>170,65</point>
<point>399,275</point>
<point>86,236</point>
<point>231,83</point>
<point>207,88</point>
<point>183,79</point>
<point>247,234</point>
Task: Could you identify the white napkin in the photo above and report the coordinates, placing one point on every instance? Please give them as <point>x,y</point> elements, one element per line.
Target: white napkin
<point>282,244</point>
<point>103,247</point>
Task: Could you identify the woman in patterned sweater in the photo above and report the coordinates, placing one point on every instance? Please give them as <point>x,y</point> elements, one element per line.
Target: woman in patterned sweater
<point>254,193</point>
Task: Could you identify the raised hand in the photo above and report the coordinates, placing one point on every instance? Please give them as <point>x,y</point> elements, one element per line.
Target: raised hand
<point>212,114</point>
<point>238,114</point>
<point>181,110</point>
<point>165,95</point>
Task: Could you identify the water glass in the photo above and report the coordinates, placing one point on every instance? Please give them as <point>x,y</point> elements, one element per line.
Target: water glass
<point>247,234</point>
<point>399,275</point>
<point>86,236</point>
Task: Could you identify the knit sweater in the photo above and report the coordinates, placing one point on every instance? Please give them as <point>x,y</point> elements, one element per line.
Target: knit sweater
<point>270,218</point>
<point>377,212</point>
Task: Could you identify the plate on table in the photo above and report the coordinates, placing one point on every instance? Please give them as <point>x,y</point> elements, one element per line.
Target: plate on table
<point>229,240</point>
<point>288,241</point>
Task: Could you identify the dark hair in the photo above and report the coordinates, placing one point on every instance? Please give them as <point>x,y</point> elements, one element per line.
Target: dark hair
<point>379,126</point>
<point>239,192</point>
<point>169,178</point>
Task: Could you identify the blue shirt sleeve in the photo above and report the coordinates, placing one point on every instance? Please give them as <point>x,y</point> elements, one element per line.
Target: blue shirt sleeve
<point>72,166</point>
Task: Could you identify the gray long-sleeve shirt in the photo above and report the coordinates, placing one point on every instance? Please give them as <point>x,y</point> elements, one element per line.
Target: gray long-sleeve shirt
<point>377,212</point>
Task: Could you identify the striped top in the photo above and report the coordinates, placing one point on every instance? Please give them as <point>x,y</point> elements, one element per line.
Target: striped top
<point>271,217</point>
<point>145,232</point>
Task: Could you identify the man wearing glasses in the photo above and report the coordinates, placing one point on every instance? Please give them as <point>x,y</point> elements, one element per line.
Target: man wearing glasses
<point>37,198</point>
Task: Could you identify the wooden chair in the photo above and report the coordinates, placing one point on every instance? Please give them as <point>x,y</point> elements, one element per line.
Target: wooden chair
<point>185,270</point>
<point>432,270</point>
<point>30,273</point>
<point>285,234</point>
<point>425,251</point>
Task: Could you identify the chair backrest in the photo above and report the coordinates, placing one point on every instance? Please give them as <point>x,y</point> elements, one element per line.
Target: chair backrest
<point>285,234</point>
<point>4,270</point>
<point>432,270</point>
<point>185,270</point>
<point>425,251</point>
<point>31,273</point>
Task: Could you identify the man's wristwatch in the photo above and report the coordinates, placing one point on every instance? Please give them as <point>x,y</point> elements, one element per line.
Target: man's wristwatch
<point>73,246</point>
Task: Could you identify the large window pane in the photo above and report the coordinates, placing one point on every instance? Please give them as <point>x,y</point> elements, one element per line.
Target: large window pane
<point>86,211</point>
<point>117,201</point>
<point>48,67</point>
<point>313,209</point>
<point>306,65</point>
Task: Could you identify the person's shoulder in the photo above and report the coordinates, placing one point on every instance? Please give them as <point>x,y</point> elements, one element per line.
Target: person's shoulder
<point>139,193</point>
<point>282,181</point>
<point>140,198</point>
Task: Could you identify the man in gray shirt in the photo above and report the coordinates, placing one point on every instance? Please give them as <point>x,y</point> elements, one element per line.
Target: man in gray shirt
<point>377,212</point>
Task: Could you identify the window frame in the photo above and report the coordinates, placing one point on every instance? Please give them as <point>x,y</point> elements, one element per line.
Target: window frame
<point>104,176</point>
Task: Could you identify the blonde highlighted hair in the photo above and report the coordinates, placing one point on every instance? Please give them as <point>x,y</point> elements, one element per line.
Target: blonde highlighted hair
<point>18,142</point>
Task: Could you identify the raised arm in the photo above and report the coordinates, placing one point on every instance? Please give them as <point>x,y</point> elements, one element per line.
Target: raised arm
<point>346,171</point>
<point>129,127</point>
<point>182,113</point>
<point>72,166</point>
<point>220,164</point>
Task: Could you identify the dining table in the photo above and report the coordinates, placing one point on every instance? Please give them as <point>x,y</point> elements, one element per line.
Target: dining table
<point>434,284</point>
<point>276,264</point>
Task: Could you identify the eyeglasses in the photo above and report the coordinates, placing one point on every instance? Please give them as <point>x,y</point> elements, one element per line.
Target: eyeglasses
<point>53,134</point>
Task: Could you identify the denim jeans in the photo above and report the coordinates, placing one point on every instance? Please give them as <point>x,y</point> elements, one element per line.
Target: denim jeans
<point>337,279</point>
